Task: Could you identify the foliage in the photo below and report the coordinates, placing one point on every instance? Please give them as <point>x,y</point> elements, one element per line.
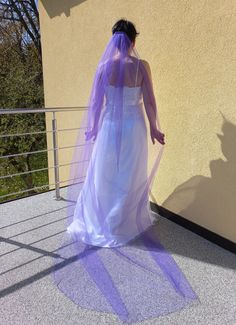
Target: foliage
<point>21,86</point>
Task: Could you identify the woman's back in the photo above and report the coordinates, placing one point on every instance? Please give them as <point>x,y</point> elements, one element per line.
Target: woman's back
<point>139,280</point>
<point>130,66</point>
<point>132,96</point>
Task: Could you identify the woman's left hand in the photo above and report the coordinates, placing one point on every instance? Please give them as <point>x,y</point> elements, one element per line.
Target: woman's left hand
<point>157,134</point>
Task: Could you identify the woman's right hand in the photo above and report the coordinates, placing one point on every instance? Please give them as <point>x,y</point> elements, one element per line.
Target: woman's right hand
<point>90,134</point>
<point>156,134</point>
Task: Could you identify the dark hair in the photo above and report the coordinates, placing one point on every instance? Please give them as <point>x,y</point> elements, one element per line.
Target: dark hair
<point>123,25</point>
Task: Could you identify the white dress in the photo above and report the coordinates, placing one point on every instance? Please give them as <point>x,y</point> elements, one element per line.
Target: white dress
<point>136,281</point>
<point>118,192</point>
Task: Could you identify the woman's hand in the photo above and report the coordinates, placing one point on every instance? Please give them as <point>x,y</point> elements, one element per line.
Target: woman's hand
<point>90,134</point>
<point>156,134</point>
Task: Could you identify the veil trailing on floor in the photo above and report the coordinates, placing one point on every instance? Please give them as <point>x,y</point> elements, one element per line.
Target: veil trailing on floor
<point>139,279</point>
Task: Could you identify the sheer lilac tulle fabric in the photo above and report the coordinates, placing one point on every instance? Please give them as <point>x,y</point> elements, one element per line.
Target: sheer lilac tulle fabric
<point>110,259</point>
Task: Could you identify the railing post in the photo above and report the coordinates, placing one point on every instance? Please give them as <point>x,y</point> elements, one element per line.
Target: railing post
<point>55,156</point>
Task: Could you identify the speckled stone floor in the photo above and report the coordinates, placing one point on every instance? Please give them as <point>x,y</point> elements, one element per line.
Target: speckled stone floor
<point>30,232</point>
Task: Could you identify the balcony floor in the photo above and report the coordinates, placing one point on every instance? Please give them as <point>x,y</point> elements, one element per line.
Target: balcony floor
<point>31,229</point>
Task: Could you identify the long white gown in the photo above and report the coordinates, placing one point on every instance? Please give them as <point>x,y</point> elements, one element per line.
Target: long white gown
<point>140,280</point>
<point>116,189</point>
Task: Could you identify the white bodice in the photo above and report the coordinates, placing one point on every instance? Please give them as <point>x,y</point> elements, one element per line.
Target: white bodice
<point>132,96</point>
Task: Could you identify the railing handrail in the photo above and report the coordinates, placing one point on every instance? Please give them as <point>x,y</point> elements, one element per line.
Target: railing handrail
<point>55,149</point>
<point>4,111</point>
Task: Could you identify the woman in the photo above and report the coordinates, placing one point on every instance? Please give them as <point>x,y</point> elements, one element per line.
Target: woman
<point>112,207</point>
<point>135,278</point>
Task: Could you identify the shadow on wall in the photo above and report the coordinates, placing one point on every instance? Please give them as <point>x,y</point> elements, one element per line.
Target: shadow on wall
<point>57,7</point>
<point>211,200</point>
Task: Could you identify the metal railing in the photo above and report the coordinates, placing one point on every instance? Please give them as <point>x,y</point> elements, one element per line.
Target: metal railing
<point>55,147</point>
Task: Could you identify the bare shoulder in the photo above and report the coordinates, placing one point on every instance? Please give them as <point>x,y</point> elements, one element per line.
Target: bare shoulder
<point>145,62</point>
<point>146,66</point>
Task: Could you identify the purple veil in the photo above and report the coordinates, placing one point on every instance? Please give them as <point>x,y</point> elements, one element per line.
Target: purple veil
<point>117,264</point>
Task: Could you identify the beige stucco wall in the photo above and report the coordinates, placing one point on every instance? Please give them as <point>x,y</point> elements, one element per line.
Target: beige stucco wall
<point>191,48</point>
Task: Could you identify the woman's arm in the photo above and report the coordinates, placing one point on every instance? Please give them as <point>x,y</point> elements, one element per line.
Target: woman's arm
<point>150,103</point>
<point>96,104</point>
<point>148,95</point>
<point>98,100</point>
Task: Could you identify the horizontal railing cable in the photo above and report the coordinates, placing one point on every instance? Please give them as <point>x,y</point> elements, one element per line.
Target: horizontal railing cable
<point>41,169</point>
<point>54,131</point>
<point>41,186</point>
<point>37,132</point>
<point>40,151</point>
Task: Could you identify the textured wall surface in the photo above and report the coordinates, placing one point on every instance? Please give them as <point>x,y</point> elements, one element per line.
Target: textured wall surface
<point>191,48</point>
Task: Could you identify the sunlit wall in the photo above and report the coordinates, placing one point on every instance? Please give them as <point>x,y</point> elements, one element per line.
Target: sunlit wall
<point>191,48</point>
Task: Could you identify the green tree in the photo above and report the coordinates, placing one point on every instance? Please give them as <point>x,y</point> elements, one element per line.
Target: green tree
<point>21,86</point>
